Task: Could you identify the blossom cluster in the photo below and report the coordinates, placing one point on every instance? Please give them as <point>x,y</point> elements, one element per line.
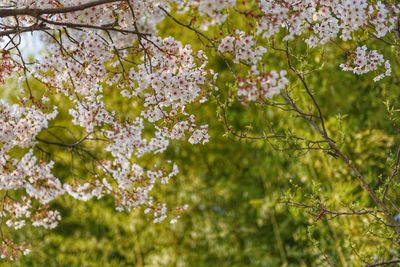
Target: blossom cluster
<point>264,86</point>
<point>213,10</point>
<point>329,19</point>
<point>83,64</point>
<point>365,61</point>
<point>166,85</point>
<point>19,127</point>
<point>243,47</point>
<point>11,250</point>
<point>326,19</point>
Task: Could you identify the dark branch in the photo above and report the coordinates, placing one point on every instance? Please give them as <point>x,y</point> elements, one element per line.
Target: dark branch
<point>35,12</point>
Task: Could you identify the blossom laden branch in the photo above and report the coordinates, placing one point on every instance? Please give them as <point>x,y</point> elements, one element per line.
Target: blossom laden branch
<point>36,12</point>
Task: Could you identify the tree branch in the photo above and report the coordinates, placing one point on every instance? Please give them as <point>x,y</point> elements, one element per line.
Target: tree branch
<point>35,12</point>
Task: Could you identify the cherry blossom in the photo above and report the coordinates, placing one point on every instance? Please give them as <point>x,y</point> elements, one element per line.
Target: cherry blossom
<point>366,61</point>
<point>264,86</point>
<point>95,49</point>
<point>242,47</point>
